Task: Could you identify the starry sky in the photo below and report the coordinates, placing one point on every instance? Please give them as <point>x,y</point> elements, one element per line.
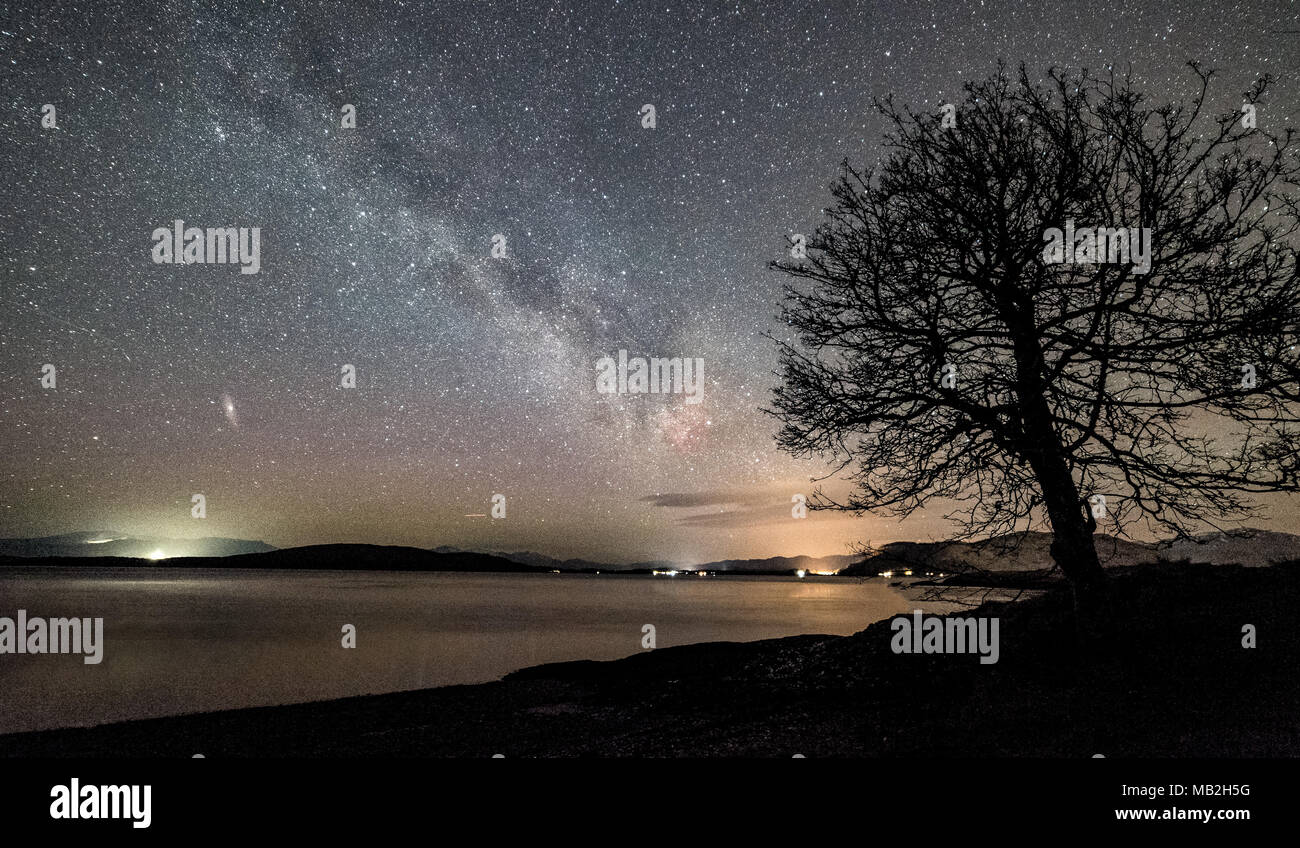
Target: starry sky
<point>475,374</point>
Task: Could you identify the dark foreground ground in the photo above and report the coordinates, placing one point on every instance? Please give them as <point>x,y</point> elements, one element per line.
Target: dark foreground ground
<point>1173,680</point>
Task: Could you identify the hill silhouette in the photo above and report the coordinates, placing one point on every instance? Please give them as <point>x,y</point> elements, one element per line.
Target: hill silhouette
<point>108,543</point>
<point>353,557</point>
<point>1028,553</point>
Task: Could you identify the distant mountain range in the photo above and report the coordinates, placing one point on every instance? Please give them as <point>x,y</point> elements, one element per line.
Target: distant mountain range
<point>1025,552</point>
<point>374,558</point>
<point>774,565</point>
<point>552,564</point>
<point>98,543</point>
<point>1238,547</point>
<point>323,557</point>
<point>70,547</point>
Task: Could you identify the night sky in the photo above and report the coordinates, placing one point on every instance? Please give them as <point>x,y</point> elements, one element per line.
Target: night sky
<point>475,375</point>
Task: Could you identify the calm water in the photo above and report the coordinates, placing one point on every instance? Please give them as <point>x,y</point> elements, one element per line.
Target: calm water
<point>179,641</point>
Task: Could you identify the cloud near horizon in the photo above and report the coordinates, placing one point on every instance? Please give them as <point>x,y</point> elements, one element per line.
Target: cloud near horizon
<point>754,509</point>
<point>682,500</point>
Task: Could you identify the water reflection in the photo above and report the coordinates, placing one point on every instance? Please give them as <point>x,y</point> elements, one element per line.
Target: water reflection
<point>180,641</point>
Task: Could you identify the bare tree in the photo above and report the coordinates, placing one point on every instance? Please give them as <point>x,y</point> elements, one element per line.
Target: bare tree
<point>940,350</point>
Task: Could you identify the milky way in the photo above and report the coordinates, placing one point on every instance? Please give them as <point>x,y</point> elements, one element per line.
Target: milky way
<point>475,374</point>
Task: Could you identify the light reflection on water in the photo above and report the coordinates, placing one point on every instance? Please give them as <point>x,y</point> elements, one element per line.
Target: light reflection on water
<point>180,641</point>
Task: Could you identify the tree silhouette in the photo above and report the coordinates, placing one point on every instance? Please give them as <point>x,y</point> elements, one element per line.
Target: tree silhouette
<point>938,349</point>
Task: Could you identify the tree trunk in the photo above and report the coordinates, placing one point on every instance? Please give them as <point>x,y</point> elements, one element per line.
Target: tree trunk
<point>1072,546</point>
